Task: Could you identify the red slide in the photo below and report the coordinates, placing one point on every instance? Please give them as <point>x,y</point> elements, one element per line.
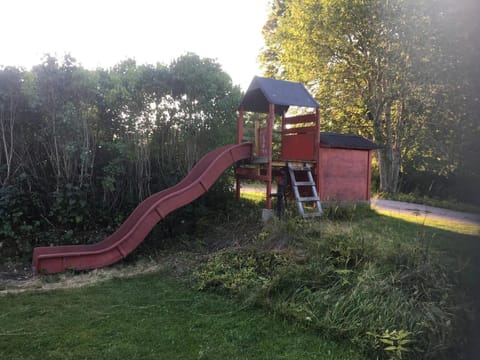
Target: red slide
<point>149,212</point>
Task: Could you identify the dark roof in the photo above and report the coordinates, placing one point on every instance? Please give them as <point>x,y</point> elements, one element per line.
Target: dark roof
<point>334,140</point>
<point>283,94</point>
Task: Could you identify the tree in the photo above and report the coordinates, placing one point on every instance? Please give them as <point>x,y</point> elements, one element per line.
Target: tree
<point>11,101</point>
<point>196,116</point>
<point>79,148</point>
<point>378,67</point>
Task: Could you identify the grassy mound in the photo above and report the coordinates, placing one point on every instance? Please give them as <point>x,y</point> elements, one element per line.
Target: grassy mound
<point>375,281</point>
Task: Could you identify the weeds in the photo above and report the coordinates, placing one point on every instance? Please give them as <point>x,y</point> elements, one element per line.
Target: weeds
<point>391,297</point>
<point>395,342</point>
<point>239,270</point>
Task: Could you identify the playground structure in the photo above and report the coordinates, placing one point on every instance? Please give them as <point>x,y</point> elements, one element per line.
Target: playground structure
<point>321,167</point>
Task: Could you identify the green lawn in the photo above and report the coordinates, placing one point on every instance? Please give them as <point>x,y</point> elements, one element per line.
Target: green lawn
<point>149,317</point>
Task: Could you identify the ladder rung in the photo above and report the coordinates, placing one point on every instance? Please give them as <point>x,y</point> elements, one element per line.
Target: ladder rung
<point>300,168</point>
<point>303,183</point>
<point>312,214</point>
<point>308,199</point>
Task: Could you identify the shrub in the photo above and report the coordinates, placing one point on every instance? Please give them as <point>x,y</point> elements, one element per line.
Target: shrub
<point>70,207</point>
<point>18,221</point>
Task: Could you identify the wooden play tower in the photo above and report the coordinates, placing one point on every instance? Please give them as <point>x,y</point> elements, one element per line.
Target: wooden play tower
<point>335,166</point>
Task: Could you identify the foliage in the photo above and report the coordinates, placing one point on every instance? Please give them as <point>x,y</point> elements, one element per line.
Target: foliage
<point>399,72</point>
<point>396,342</point>
<point>70,208</point>
<point>87,146</point>
<point>17,221</point>
<point>240,270</point>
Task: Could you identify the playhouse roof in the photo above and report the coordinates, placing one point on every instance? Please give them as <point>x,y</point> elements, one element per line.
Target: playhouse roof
<point>334,140</point>
<point>283,94</point>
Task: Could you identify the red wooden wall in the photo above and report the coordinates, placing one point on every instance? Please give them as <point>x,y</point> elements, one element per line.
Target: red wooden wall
<point>298,146</point>
<point>298,137</point>
<point>344,174</point>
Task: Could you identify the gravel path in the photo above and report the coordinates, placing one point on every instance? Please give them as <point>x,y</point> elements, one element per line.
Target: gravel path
<point>403,207</point>
<point>424,210</point>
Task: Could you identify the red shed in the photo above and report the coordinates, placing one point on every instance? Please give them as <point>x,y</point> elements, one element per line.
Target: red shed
<point>345,167</point>
<point>340,164</point>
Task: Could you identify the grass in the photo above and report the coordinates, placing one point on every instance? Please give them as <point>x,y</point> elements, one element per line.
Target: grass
<point>149,317</point>
<point>329,289</point>
<point>363,276</point>
<point>254,193</point>
<point>255,196</point>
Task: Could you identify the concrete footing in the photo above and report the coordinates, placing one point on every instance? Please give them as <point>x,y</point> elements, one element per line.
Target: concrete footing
<point>267,214</point>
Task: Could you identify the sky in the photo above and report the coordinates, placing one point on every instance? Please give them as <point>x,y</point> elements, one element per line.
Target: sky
<point>101,33</point>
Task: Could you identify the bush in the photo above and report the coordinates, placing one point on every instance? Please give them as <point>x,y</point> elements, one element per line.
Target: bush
<point>18,221</point>
<point>70,207</point>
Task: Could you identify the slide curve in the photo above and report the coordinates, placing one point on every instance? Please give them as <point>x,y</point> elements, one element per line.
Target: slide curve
<point>147,214</point>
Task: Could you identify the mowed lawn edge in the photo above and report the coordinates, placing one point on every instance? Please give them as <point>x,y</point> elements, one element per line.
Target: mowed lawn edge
<point>150,317</point>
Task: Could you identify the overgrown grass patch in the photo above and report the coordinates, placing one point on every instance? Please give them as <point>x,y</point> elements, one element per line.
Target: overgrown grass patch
<point>388,286</point>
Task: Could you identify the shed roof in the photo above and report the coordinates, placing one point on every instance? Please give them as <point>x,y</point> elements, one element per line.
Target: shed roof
<point>283,94</point>
<point>345,141</point>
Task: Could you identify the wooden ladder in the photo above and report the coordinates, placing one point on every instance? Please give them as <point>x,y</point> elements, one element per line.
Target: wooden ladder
<point>305,184</point>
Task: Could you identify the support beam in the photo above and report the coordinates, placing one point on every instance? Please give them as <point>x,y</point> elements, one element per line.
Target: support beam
<point>239,141</point>
<point>316,144</point>
<point>284,122</point>
<point>369,175</point>
<point>237,188</point>
<point>270,121</point>
<point>240,126</point>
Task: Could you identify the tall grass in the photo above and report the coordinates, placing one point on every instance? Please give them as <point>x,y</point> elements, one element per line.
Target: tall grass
<point>392,295</point>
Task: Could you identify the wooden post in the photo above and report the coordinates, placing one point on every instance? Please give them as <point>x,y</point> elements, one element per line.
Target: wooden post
<point>284,127</point>
<point>255,149</point>
<point>239,141</point>
<point>317,151</point>
<point>369,174</point>
<point>270,121</point>
<point>237,188</point>
<point>240,126</point>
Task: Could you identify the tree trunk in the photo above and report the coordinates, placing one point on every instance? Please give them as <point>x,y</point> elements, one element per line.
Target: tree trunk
<point>388,155</point>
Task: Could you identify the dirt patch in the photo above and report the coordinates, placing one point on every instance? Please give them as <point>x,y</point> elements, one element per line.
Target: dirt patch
<point>14,273</point>
<point>19,279</point>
